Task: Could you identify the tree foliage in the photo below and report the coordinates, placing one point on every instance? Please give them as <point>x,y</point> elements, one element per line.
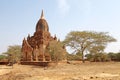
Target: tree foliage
<point>88,41</point>
<point>112,56</point>
<point>57,51</point>
<point>14,52</point>
<point>2,57</point>
<point>73,57</point>
<point>118,56</point>
<point>100,57</point>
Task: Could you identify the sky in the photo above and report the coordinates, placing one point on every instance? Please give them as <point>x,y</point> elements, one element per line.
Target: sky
<point>18,18</point>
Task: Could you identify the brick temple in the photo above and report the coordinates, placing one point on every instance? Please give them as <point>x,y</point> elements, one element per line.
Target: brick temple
<point>34,47</point>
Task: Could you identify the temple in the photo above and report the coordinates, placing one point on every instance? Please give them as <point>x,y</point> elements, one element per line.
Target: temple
<point>34,47</point>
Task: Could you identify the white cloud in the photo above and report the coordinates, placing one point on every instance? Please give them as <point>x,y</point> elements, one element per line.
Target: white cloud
<point>63,6</point>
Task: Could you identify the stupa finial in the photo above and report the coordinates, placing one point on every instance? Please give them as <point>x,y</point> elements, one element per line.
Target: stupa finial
<point>42,15</point>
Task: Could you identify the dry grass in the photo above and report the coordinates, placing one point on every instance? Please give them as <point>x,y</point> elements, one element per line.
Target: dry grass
<point>74,71</point>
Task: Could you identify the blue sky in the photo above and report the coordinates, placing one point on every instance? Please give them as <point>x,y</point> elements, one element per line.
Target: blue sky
<point>18,18</point>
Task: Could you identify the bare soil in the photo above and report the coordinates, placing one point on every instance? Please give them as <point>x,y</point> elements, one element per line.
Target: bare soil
<point>63,71</point>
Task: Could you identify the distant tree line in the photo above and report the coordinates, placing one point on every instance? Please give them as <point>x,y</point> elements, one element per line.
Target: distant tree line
<point>99,57</point>
<point>102,57</point>
<point>86,45</point>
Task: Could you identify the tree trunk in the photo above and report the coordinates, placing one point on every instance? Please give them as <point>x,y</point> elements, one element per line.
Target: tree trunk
<point>83,57</point>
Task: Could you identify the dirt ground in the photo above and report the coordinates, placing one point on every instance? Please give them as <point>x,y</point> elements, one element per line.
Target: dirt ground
<point>63,71</point>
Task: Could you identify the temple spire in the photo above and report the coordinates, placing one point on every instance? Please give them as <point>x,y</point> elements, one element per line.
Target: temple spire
<point>42,15</point>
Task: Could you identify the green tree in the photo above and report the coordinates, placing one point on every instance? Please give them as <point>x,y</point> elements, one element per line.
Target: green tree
<point>89,57</point>
<point>14,51</point>
<point>99,57</point>
<point>2,57</point>
<point>57,51</point>
<point>112,56</point>
<point>87,41</point>
<point>73,57</point>
<point>118,56</point>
